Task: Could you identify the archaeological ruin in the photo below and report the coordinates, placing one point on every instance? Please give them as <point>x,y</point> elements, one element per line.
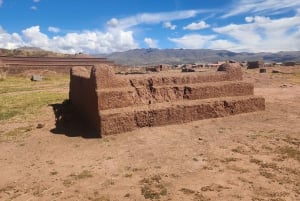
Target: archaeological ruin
<point>113,103</point>
<point>18,65</point>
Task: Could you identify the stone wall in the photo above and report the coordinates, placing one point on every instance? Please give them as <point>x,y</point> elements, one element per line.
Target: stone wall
<point>119,103</point>
<point>18,65</point>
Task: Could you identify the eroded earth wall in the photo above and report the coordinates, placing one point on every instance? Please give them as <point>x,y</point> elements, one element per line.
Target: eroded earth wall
<point>119,103</point>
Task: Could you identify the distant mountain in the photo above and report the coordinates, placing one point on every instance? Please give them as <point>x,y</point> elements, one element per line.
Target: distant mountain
<point>181,56</point>
<point>165,56</point>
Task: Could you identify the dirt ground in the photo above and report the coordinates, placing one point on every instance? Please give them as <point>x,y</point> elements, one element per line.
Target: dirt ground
<point>251,157</point>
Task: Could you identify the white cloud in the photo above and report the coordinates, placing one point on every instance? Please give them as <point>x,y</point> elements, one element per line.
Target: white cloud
<point>35,38</point>
<point>192,41</point>
<point>154,18</point>
<point>10,41</point>
<point>262,7</point>
<point>1,2</point>
<point>258,34</point>
<point>53,29</point>
<point>196,26</point>
<point>33,8</point>
<point>263,34</point>
<point>151,43</point>
<point>86,41</point>
<point>169,25</point>
<point>36,1</point>
<point>223,45</point>
<point>113,22</point>
<point>249,19</point>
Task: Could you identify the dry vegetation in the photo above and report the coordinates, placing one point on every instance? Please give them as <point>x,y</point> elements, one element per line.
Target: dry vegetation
<point>23,52</point>
<point>253,157</point>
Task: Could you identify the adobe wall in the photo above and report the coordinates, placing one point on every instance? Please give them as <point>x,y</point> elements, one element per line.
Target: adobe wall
<point>83,95</point>
<point>119,103</point>
<point>124,120</point>
<point>18,65</point>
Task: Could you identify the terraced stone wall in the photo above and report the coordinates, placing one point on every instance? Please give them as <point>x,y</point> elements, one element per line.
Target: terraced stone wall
<point>119,103</point>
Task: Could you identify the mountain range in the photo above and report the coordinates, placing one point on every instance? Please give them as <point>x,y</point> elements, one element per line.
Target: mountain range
<point>138,57</point>
<point>183,56</point>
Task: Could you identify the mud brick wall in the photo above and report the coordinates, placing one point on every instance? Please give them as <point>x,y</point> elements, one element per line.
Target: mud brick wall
<point>114,121</point>
<point>83,95</point>
<point>22,69</point>
<point>119,103</point>
<point>19,65</point>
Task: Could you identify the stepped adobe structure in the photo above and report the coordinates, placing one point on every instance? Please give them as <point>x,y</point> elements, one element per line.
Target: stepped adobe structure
<point>15,65</point>
<point>114,103</point>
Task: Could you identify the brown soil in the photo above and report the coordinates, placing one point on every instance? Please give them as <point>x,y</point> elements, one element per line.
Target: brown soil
<point>254,156</point>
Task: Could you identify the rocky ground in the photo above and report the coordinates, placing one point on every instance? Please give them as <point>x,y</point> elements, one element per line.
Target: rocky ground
<point>253,156</point>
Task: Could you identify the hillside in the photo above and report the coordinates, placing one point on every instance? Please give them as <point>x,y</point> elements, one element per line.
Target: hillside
<point>29,51</point>
<point>179,56</point>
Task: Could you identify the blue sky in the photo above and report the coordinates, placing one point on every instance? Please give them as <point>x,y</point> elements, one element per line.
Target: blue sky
<point>104,26</point>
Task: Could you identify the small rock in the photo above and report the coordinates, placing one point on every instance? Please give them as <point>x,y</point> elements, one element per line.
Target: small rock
<point>36,78</point>
<point>276,71</point>
<point>39,126</point>
<point>262,70</point>
<point>284,86</point>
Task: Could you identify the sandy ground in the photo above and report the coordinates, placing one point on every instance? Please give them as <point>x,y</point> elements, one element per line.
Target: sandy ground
<point>253,156</point>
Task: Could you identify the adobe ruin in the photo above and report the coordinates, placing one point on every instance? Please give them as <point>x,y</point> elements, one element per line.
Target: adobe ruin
<point>115,103</point>
<point>17,65</point>
<point>255,64</point>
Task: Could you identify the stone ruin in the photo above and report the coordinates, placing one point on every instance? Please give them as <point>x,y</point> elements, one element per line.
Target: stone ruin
<point>19,65</point>
<point>114,103</point>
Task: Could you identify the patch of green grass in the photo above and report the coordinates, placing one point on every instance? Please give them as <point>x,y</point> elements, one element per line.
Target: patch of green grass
<point>21,83</point>
<point>19,96</point>
<point>12,105</point>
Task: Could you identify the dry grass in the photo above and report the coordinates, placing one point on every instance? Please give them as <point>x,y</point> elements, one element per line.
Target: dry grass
<point>153,188</point>
<point>19,96</point>
<point>295,78</point>
<point>16,134</point>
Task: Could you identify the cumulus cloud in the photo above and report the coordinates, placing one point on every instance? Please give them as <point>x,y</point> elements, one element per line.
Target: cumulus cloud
<point>192,41</point>
<point>196,26</point>
<point>249,19</point>
<point>113,22</point>
<point>169,25</point>
<point>35,38</point>
<point>91,42</point>
<point>262,34</point>
<point>10,41</point>
<point>53,29</point>
<point>257,34</point>
<point>262,7</point>
<point>151,43</point>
